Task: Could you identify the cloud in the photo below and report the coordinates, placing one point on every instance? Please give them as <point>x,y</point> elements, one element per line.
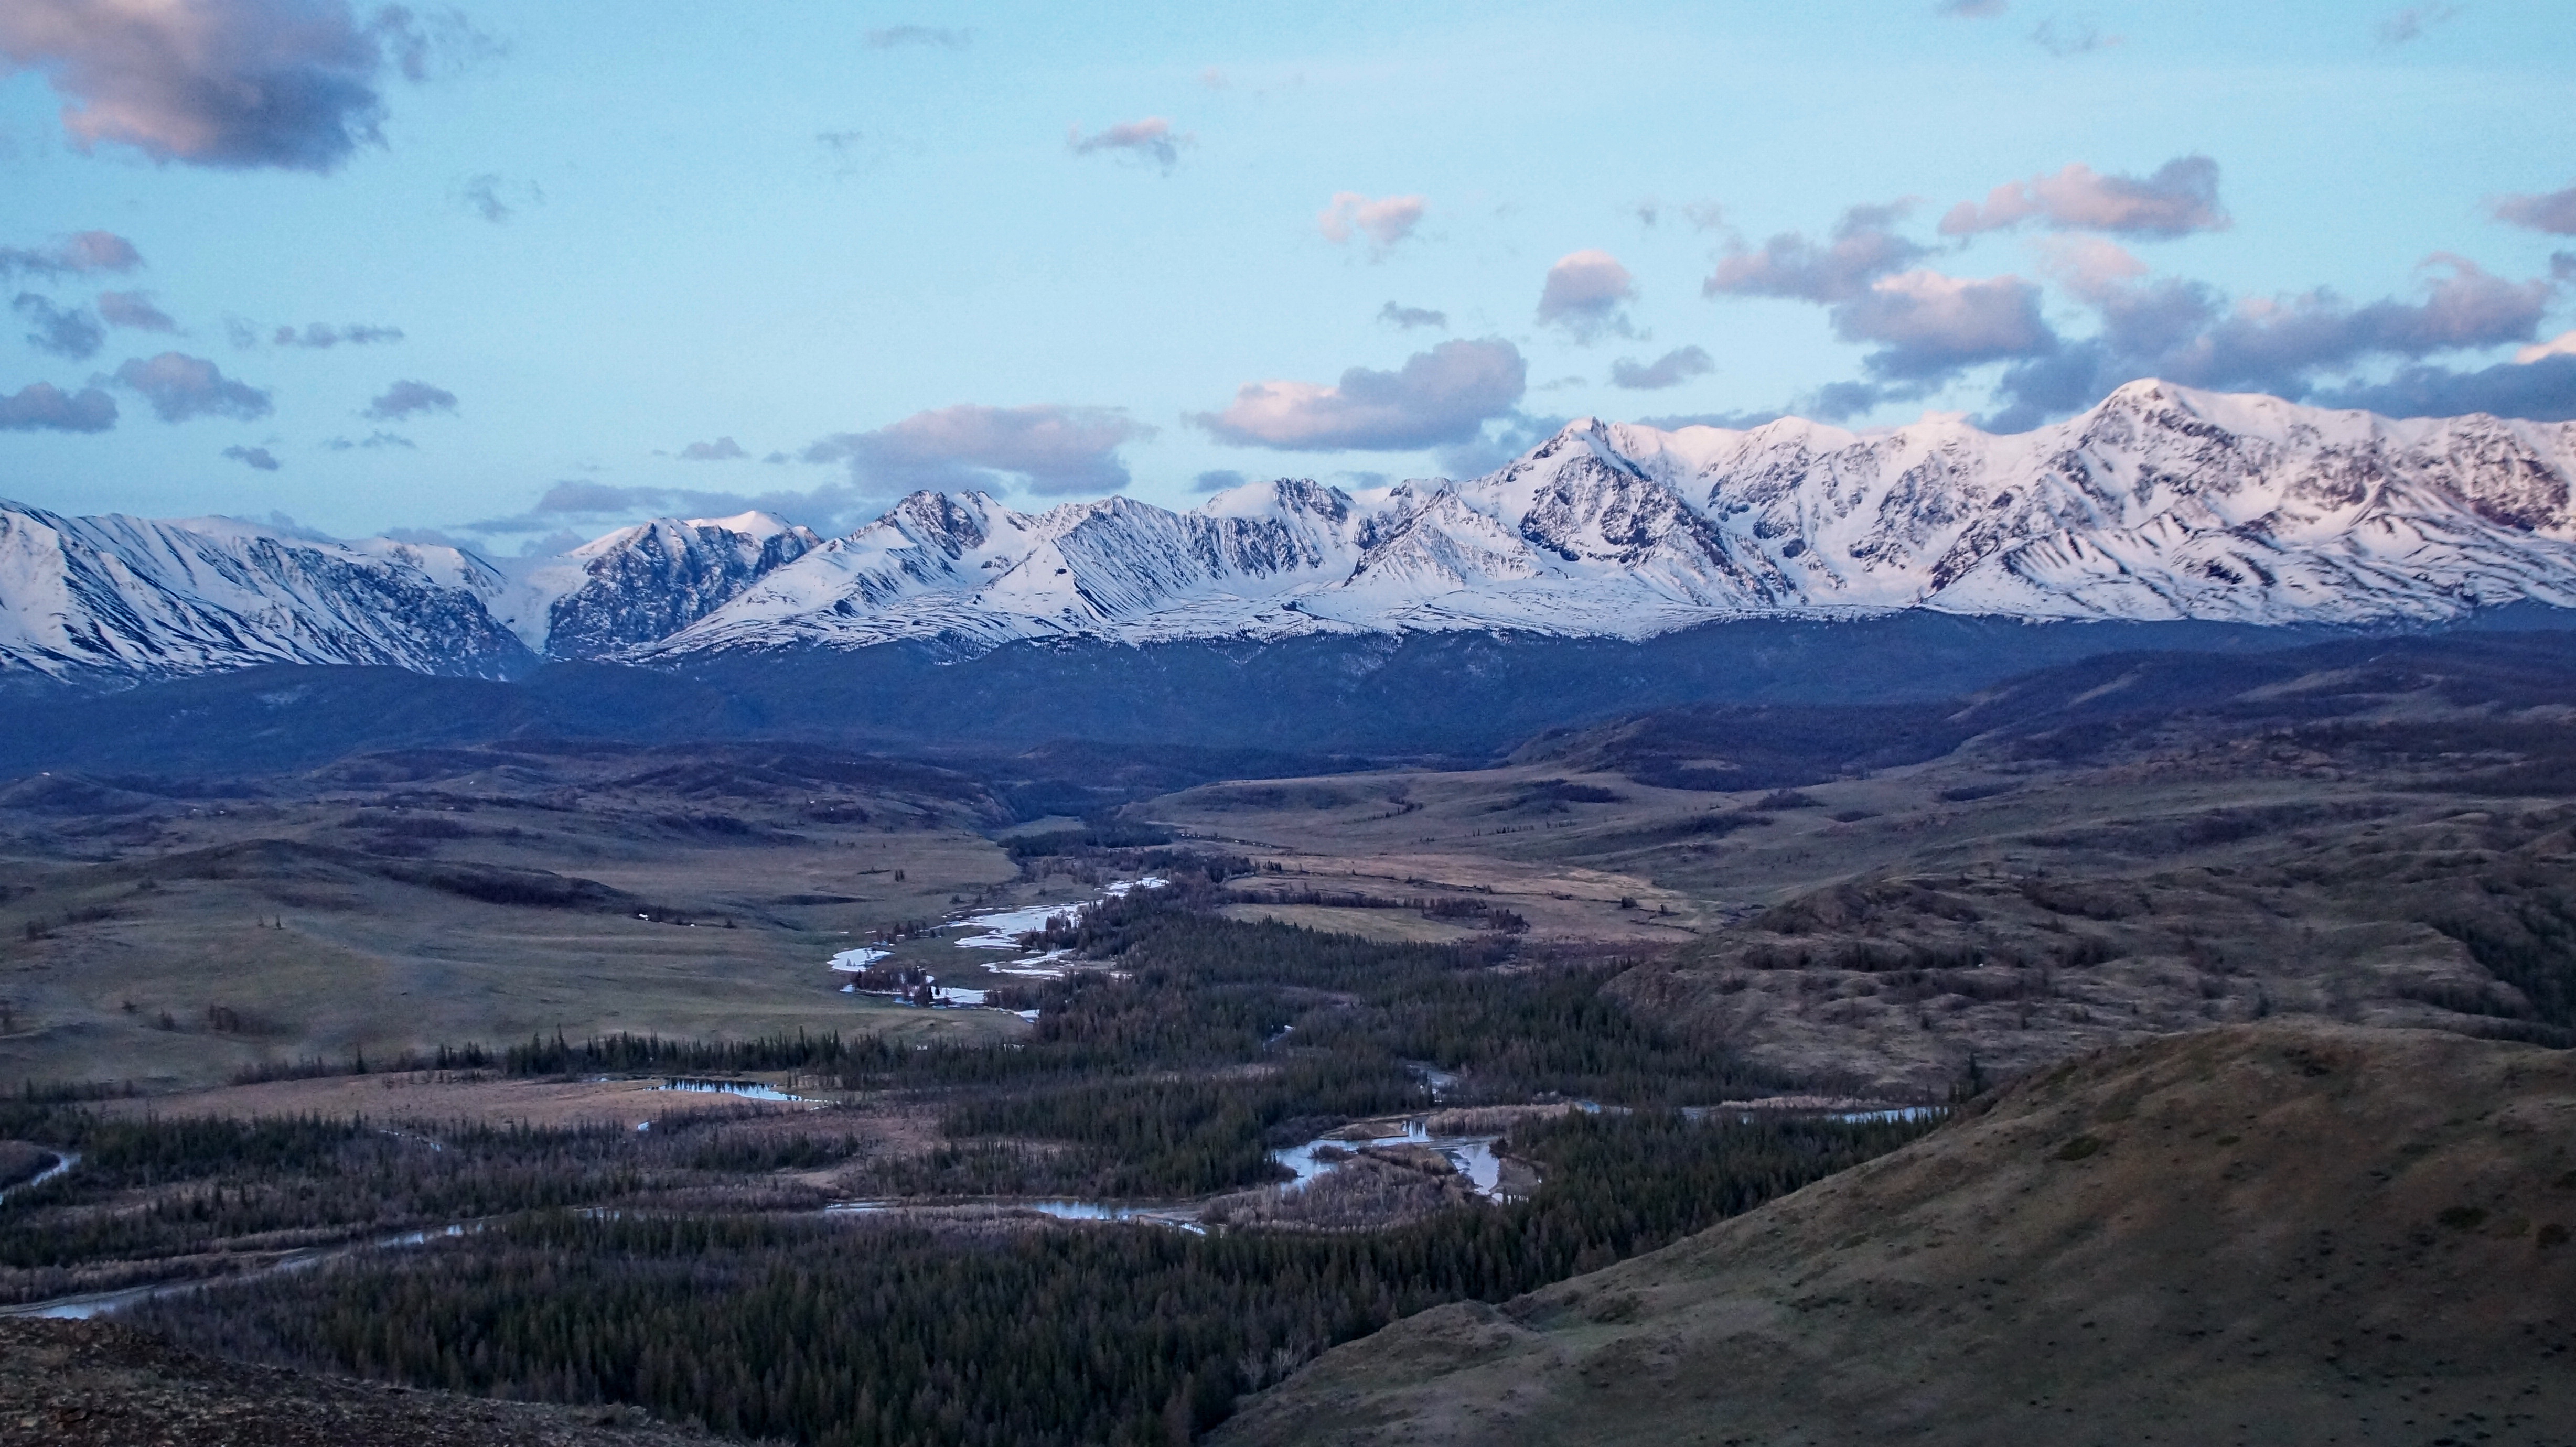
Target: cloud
<point>895,37</point>
<point>1496,444</point>
<point>1971,9</point>
<point>1669,370</point>
<point>1863,247</point>
<point>1406,318</point>
<point>2081,39</point>
<point>2409,24</point>
<point>1586,294</point>
<point>723,449</point>
<point>409,399</point>
<point>1046,449</point>
<point>1149,139</point>
<point>1217,480</point>
<point>495,198</point>
<point>2180,198</point>
<point>81,253</point>
<point>373,441</point>
<point>2543,390</point>
<point>1384,221</point>
<point>254,457</point>
<point>2188,332</point>
<point>180,387</point>
<point>234,84</point>
<point>2088,266</point>
<point>320,335</point>
<point>2553,212</point>
<point>2561,345</point>
<point>44,407</point>
<point>1440,396</point>
<point>1929,325</point>
<point>73,333</point>
<point>134,310</point>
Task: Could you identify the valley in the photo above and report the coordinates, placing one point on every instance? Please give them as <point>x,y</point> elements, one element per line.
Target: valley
<point>1331,1044</point>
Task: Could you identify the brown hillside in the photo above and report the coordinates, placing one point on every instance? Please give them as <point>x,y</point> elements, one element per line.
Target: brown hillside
<point>95,1384</point>
<point>2285,1233</point>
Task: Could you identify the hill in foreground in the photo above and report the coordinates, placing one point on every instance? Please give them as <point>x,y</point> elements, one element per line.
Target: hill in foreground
<point>2284,1233</point>
<point>93,1384</point>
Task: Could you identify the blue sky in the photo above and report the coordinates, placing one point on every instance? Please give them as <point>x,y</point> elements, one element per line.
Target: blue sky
<point>1045,249</point>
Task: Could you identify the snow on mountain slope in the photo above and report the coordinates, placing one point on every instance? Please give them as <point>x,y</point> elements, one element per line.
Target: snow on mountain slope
<point>645,582</point>
<point>2160,503</point>
<point>115,596</point>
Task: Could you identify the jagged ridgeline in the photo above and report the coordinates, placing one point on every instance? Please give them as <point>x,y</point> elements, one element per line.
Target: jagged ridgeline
<point>2161,503</point>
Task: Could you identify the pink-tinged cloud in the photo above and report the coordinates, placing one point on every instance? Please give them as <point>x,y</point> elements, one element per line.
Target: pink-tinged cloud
<point>2180,198</point>
<point>1864,246</point>
<point>1151,139</point>
<point>44,407</point>
<point>1384,221</point>
<point>180,387</point>
<point>1441,396</point>
<point>80,254</point>
<point>134,310</point>
<point>1585,293</point>
<point>224,83</point>
<point>2088,266</point>
<point>2561,345</point>
<point>1044,448</point>
<point>1928,324</point>
<point>2550,211</point>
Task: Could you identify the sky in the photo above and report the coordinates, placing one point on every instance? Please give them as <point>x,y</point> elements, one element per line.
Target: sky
<point>510,276</point>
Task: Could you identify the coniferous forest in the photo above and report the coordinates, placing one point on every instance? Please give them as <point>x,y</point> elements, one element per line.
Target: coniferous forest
<point>693,1271</point>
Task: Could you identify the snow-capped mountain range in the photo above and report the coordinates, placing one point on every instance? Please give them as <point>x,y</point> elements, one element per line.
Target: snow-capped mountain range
<point>2160,503</point>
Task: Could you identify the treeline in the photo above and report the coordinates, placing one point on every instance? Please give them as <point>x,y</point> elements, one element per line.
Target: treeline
<point>874,1335</point>
<point>150,1188</point>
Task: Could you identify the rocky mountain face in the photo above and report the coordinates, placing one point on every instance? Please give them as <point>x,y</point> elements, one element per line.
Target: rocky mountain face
<point>644,583</point>
<point>2160,504</point>
<point>112,598</point>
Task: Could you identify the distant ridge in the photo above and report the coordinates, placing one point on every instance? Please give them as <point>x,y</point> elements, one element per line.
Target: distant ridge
<point>2160,504</point>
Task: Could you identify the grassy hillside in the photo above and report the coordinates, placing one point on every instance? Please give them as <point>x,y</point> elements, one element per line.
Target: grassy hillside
<point>2285,1233</point>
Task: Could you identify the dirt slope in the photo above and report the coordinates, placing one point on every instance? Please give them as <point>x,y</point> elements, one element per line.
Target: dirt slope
<point>2284,1233</point>
<point>93,1384</point>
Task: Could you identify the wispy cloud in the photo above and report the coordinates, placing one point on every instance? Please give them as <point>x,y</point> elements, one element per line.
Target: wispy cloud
<point>723,449</point>
<point>64,331</point>
<point>81,254</point>
<point>1406,318</point>
<point>1669,370</point>
<point>2553,212</point>
<point>2079,37</point>
<point>2405,26</point>
<point>409,399</point>
<point>254,457</point>
<point>2180,198</point>
<point>1151,139</point>
<point>496,198</point>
